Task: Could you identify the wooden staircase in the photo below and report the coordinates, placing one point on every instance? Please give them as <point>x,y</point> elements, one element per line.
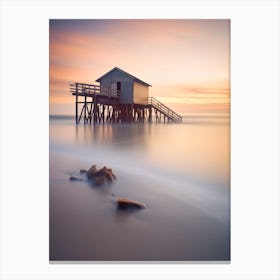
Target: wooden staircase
<point>169,114</point>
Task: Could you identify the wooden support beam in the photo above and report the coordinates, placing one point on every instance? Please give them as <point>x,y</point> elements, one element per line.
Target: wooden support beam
<point>103,113</point>
<point>77,104</point>
<point>150,114</point>
<point>81,114</point>
<point>85,112</point>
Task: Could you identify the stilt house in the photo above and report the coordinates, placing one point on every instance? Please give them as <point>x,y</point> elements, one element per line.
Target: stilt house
<point>119,97</point>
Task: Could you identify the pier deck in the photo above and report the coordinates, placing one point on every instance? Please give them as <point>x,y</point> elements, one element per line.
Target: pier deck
<point>98,104</point>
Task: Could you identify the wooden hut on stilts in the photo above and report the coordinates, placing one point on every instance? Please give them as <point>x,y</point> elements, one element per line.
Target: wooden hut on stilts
<point>119,97</point>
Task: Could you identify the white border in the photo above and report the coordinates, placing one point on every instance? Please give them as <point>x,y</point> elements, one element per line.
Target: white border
<point>255,138</point>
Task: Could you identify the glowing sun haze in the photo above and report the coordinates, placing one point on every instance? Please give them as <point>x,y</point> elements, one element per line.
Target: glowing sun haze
<point>187,62</point>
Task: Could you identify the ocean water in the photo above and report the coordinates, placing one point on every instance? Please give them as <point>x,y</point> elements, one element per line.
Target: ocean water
<point>180,171</point>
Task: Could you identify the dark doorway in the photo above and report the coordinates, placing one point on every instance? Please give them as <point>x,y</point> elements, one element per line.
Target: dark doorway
<point>118,86</point>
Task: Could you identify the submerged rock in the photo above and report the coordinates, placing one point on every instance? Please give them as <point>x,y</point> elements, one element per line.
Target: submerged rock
<point>101,176</point>
<point>124,203</point>
<point>106,172</point>
<point>98,181</point>
<point>72,178</point>
<point>91,172</point>
<point>95,176</point>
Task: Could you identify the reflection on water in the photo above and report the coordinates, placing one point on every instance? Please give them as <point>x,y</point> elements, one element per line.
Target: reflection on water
<point>180,171</point>
<point>201,150</point>
<point>115,134</point>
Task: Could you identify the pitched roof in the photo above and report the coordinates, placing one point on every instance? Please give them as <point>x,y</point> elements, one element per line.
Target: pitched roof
<point>125,73</point>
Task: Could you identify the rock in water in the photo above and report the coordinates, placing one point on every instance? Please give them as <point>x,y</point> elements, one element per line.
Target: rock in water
<point>72,178</point>
<point>99,177</point>
<point>107,172</point>
<point>95,176</point>
<point>91,172</point>
<point>124,203</point>
<point>98,181</point>
<point>111,174</point>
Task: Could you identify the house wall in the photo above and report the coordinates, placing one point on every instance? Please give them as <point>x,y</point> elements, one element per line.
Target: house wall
<point>126,85</point>
<point>140,93</point>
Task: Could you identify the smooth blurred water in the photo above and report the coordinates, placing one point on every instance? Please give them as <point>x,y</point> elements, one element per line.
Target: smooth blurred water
<point>180,171</point>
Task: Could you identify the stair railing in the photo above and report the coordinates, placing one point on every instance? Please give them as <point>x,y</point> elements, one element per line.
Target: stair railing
<point>164,109</point>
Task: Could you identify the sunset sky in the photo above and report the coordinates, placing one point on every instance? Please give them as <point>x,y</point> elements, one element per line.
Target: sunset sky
<point>187,62</point>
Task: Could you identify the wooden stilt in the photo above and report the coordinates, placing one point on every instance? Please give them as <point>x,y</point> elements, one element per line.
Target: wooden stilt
<point>85,112</point>
<point>77,103</point>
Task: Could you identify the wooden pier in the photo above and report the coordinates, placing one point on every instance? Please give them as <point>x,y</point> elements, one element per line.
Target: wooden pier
<point>96,104</point>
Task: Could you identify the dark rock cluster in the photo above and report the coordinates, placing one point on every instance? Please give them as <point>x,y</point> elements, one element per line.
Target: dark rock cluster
<point>103,176</point>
